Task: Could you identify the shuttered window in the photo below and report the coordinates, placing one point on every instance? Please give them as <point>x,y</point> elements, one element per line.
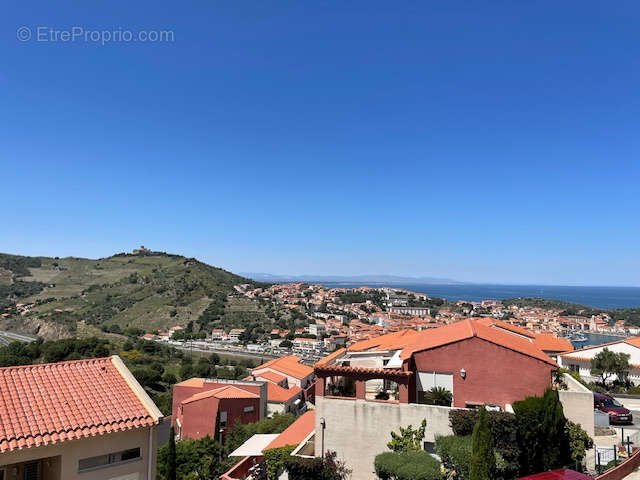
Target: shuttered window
<point>428,380</point>
<point>32,471</point>
<point>108,460</point>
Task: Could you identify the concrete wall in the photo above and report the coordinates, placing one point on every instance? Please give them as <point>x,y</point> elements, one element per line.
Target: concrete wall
<point>577,402</point>
<point>70,452</point>
<point>358,430</point>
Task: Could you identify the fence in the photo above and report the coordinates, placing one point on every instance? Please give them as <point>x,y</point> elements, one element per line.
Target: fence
<point>612,456</point>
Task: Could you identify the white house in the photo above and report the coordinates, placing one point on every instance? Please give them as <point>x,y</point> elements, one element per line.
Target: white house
<point>580,360</point>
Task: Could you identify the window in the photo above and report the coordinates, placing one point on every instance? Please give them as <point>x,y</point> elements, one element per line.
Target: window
<point>574,368</point>
<point>108,460</point>
<point>428,380</point>
<point>246,410</point>
<point>2,474</point>
<point>223,419</point>
<point>32,471</point>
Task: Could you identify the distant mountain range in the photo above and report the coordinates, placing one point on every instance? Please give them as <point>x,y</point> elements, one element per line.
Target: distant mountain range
<point>349,279</point>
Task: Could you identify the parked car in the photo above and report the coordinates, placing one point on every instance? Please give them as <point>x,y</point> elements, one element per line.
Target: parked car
<point>616,411</point>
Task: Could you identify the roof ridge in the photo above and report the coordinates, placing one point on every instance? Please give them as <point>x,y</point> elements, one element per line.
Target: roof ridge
<point>63,362</point>
<point>473,328</point>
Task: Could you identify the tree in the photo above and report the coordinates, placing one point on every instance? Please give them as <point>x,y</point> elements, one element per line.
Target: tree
<point>483,459</point>
<point>607,363</point>
<point>171,460</point>
<point>553,427</point>
<point>540,433</point>
<point>579,442</point>
<point>408,440</point>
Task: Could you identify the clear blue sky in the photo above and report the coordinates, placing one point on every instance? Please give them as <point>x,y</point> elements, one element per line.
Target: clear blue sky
<point>480,141</point>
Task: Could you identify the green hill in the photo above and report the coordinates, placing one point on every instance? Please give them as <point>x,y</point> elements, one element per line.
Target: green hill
<point>62,297</point>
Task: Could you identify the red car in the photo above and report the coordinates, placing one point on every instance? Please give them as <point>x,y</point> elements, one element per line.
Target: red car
<point>617,412</point>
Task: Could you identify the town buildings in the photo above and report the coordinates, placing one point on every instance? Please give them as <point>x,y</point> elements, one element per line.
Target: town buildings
<point>76,420</point>
<point>289,384</point>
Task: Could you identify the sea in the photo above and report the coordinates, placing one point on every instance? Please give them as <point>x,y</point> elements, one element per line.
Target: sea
<point>599,297</point>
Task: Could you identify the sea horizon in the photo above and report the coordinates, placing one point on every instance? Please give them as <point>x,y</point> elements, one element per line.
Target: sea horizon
<point>605,297</point>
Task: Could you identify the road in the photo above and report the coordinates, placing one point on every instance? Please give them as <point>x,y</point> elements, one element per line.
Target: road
<point>229,353</point>
<point>7,337</point>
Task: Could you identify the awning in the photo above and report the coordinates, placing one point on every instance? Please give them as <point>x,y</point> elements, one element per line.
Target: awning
<point>255,445</point>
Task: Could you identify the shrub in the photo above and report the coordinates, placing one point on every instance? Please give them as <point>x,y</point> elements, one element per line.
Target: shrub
<point>407,466</point>
<point>541,435</point>
<point>455,453</point>
<point>327,468</point>
<point>275,460</point>
<point>409,439</point>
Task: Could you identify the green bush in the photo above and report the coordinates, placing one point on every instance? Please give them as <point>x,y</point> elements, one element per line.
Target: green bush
<point>407,466</point>
<point>455,452</point>
<point>275,459</point>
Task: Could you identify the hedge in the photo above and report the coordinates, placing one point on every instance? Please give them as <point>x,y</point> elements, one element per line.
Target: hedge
<point>455,453</point>
<point>407,466</point>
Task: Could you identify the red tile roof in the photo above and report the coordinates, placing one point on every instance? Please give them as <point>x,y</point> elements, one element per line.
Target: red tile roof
<point>296,432</point>
<point>411,341</point>
<point>277,394</point>
<point>494,322</point>
<point>548,342</point>
<point>271,376</point>
<point>52,403</point>
<point>289,365</point>
<point>222,392</point>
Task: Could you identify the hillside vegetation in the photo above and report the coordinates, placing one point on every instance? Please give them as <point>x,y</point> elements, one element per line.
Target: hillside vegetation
<point>62,297</point>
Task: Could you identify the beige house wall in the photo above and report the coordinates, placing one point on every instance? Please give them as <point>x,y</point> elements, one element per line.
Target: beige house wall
<point>358,430</point>
<point>67,455</point>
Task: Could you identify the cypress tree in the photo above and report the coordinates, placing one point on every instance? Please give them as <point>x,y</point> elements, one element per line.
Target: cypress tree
<point>553,431</point>
<point>171,470</point>
<point>483,458</point>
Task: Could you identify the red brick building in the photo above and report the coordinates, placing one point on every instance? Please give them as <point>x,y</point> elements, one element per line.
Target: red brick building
<point>212,407</point>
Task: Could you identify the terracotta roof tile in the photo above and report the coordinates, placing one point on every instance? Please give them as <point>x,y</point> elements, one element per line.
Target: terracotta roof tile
<point>277,394</point>
<point>550,343</point>
<point>289,365</point>
<point>271,376</point>
<point>296,432</point>
<point>222,392</point>
<point>411,341</point>
<point>51,403</point>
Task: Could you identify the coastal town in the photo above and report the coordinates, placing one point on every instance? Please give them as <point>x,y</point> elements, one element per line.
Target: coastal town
<point>332,318</point>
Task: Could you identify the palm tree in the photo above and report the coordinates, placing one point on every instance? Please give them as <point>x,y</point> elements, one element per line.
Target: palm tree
<point>439,396</point>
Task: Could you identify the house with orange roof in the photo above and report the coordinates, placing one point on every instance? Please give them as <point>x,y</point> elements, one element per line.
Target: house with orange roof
<point>375,386</point>
<point>86,419</point>
<point>580,360</point>
<point>290,367</point>
<point>212,407</point>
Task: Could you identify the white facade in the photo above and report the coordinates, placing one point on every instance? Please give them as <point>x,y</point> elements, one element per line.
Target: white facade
<point>580,360</point>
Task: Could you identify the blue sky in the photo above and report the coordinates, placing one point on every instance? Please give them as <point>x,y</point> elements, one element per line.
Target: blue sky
<point>480,141</point>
